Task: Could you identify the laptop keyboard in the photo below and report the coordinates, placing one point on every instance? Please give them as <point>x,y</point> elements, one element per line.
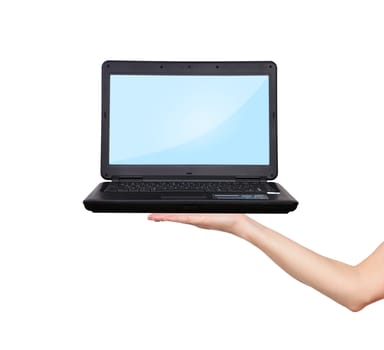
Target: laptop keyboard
<point>192,186</point>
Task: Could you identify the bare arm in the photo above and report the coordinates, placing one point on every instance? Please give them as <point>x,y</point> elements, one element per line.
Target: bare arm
<point>351,286</point>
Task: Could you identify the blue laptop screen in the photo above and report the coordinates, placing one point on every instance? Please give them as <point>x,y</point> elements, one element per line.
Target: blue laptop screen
<point>189,120</point>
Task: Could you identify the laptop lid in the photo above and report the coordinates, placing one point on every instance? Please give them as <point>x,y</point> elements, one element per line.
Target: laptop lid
<point>189,119</point>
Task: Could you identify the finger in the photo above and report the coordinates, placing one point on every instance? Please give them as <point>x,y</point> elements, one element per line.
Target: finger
<point>156,217</point>
<point>163,217</point>
<point>181,218</point>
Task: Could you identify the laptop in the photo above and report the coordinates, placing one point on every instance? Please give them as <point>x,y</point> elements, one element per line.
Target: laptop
<point>189,137</point>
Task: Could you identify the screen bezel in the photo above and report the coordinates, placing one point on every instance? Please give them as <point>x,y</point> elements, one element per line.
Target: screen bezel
<point>269,68</point>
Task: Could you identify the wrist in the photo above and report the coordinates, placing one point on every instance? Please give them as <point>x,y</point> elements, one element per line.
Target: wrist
<point>242,226</point>
<point>247,228</point>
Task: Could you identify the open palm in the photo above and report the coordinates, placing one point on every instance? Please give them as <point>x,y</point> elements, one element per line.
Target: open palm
<point>222,222</point>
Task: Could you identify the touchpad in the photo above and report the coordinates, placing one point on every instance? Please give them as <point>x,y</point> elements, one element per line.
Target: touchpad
<point>240,196</point>
<point>184,195</point>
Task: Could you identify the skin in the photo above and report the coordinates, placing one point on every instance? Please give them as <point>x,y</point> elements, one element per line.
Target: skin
<point>351,286</point>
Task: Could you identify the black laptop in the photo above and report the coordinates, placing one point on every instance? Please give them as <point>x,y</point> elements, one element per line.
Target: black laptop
<point>189,137</point>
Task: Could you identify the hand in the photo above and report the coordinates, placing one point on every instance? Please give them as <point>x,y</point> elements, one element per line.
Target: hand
<point>221,222</point>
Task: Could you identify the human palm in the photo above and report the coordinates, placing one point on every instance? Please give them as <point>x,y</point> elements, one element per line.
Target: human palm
<point>221,222</point>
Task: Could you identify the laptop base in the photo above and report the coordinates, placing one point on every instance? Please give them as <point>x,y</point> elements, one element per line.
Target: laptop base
<point>192,202</point>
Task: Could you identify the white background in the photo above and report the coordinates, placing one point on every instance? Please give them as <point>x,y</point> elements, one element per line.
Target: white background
<point>70,279</point>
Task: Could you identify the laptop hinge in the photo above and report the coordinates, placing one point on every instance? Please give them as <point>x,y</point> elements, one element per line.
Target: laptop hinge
<point>126,178</point>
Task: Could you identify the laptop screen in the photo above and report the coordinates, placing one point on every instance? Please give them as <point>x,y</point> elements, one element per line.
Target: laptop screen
<point>189,119</point>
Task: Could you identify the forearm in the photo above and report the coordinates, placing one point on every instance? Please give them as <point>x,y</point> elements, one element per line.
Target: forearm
<point>337,280</point>
<point>351,286</point>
